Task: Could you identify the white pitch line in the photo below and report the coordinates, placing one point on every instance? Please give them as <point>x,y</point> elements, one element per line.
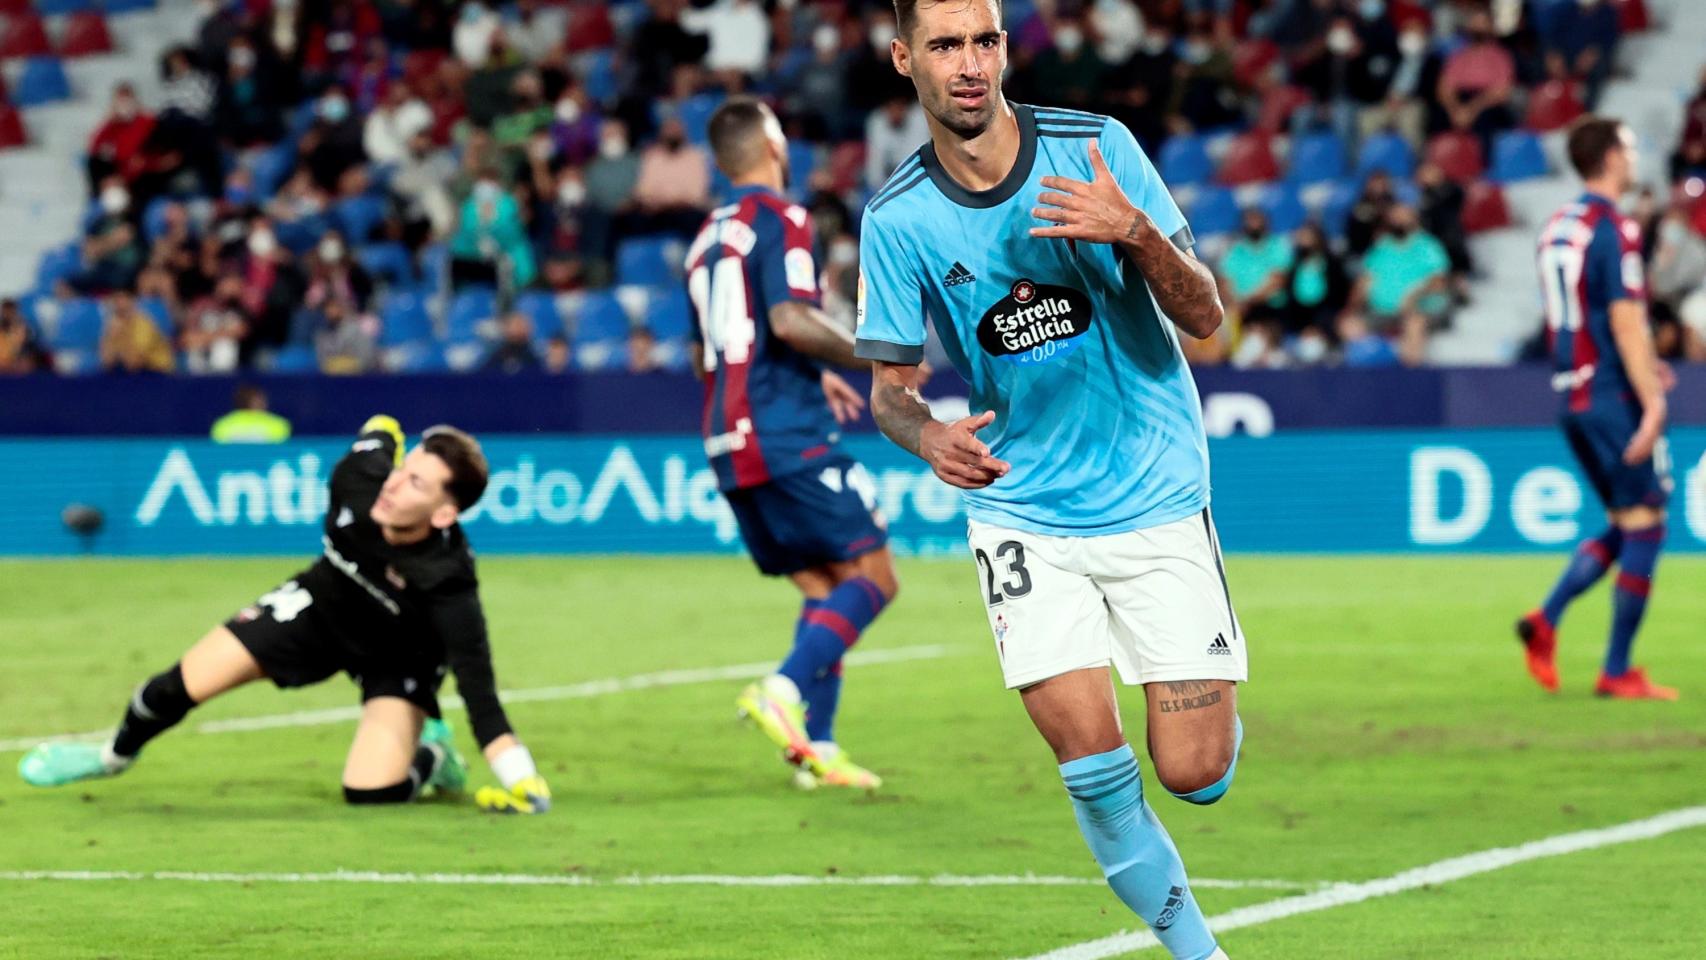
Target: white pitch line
<point>573,691</point>
<point>1433,874</point>
<point>573,880</point>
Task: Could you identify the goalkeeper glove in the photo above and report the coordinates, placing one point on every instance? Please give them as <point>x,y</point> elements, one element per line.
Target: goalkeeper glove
<point>531,795</point>
<point>523,790</point>
<point>388,425</point>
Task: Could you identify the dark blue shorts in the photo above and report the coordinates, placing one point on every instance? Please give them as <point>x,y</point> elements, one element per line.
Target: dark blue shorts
<point>1598,440</point>
<point>823,515</point>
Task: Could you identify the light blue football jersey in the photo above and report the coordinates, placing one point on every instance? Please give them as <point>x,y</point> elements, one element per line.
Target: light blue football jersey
<point>1095,407</point>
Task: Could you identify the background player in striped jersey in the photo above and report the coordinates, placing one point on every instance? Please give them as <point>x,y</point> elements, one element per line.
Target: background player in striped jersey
<point>1613,388</point>
<point>806,510</point>
<point>1055,266</point>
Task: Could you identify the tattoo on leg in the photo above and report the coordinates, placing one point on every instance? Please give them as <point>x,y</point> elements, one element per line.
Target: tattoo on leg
<point>1190,703</point>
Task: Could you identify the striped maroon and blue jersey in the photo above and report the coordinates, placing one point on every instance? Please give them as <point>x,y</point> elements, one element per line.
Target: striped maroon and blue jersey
<point>765,414</point>
<point>1590,257</point>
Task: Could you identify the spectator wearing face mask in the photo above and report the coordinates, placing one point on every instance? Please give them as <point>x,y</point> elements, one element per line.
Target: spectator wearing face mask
<point>1441,215</point>
<point>663,43</point>
<point>673,190</point>
<point>1476,84</point>
<point>332,145</point>
<point>398,119</point>
<point>273,288</point>
<point>1404,286</point>
<point>514,352</point>
<point>117,145</point>
<point>1413,75</point>
<point>820,95</point>
<point>1207,97</point>
<point>214,329</point>
<point>892,134</point>
<point>490,247</point>
<point>871,77</point>
<point>1139,92</point>
<point>1317,288</point>
<point>1678,266</point>
<point>248,108</point>
<point>1068,73</point>
<point>113,252</point>
<point>1253,286</point>
<point>527,114</point>
<point>1368,213</point>
<point>575,125</point>
<point>535,29</point>
<point>737,34</point>
<point>609,179</point>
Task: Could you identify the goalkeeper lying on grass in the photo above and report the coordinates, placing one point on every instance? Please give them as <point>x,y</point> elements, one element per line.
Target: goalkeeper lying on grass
<point>392,601</point>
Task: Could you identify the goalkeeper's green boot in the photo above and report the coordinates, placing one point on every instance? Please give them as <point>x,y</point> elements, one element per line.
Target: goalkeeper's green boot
<point>451,773</point>
<point>57,764</point>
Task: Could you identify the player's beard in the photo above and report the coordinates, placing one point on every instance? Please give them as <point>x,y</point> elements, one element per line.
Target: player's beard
<point>961,122</point>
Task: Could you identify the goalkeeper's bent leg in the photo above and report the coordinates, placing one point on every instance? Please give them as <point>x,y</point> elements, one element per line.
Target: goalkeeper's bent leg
<point>156,706</point>
<point>426,761</point>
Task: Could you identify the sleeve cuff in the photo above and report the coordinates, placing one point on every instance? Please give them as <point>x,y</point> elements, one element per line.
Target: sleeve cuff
<point>910,354</point>
<point>1183,238</point>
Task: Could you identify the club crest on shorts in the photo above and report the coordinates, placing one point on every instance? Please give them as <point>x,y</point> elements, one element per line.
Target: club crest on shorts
<point>1035,323</point>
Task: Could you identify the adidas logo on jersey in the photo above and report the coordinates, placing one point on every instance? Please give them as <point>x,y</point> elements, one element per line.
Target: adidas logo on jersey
<point>1219,647</point>
<point>958,275</point>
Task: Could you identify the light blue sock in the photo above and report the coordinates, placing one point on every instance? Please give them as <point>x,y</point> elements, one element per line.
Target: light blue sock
<point>1135,853</point>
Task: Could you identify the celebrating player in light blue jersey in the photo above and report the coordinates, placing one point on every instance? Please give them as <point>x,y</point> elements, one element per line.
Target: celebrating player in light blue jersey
<point>1056,268</point>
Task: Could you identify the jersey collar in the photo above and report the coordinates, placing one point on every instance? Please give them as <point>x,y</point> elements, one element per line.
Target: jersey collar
<point>1001,192</point>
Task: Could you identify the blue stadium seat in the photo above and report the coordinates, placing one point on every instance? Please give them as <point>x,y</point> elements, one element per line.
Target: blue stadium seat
<point>159,312</point>
<point>295,359</point>
<point>802,160</point>
<point>468,309</point>
<point>1517,155</point>
<point>126,6</point>
<point>271,168</point>
<point>42,80</point>
<point>668,315</point>
<point>602,82</point>
<point>403,318</point>
<point>1336,212</point>
<point>644,261</point>
<point>1185,160</point>
<point>357,216</point>
<point>300,236</point>
<point>79,326</point>
<point>387,261</point>
<point>50,8</point>
<point>422,356</point>
<point>1283,206</point>
<point>58,263</point>
<point>435,267</point>
<point>1388,152</point>
<point>1214,212</point>
<point>154,217</point>
<point>541,308</point>
<point>598,316</point>
<point>696,113</point>
<point>1316,157</point>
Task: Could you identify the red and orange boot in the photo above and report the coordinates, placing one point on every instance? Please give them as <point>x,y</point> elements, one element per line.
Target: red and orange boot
<point>1632,685</point>
<point>1540,644</point>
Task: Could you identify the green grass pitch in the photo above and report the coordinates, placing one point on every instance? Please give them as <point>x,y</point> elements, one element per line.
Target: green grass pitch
<point>1389,725</point>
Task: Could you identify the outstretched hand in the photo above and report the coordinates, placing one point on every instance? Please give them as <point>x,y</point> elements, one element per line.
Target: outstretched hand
<point>1094,212</point>
<point>958,456</point>
<point>846,403</point>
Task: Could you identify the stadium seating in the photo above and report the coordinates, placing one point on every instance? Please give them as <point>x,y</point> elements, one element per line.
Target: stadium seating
<point>51,8</point>
<point>24,34</point>
<point>1250,58</point>
<point>1185,160</point>
<point>1553,105</point>
<point>295,359</point>
<point>1517,155</point>
<point>1249,159</point>
<point>541,307</point>
<point>1283,207</point>
<point>160,312</point>
<point>1279,105</point>
<point>1484,208</point>
<point>1458,154</point>
<point>403,319</point>
<point>43,80</point>
<point>84,35</point>
<point>696,115</point>
<point>669,316</point>
<point>646,262</point>
<point>12,132</point>
<point>469,309</point>
<point>1214,212</point>
<point>358,216</point>
<point>1317,157</point>
<point>1387,152</point>
<point>387,262</point>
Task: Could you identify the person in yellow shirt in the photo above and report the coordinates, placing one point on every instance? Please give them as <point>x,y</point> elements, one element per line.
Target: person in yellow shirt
<point>130,341</point>
<point>250,421</point>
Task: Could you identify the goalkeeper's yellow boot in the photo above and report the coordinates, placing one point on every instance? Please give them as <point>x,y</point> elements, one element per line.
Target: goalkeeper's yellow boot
<point>836,769</point>
<point>451,771</point>
<point>773,703</point>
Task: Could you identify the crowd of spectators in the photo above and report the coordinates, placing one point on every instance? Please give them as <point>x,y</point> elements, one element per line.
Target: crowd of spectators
<point>361,185</point>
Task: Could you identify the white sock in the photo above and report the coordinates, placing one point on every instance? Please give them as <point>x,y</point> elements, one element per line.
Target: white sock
<point>114,762</point>
<point>827,749</point>
<point>778,687</point>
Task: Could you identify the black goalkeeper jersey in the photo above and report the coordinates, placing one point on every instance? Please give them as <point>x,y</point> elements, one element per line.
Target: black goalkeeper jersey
<point>415,599</point>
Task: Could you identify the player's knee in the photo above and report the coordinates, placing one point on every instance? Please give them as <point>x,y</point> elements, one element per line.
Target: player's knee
<point>400,792</point>
<point>1202,776</point>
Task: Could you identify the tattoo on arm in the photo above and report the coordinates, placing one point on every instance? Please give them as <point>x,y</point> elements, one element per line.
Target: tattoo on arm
<point>899,409</point>
<point>1183,286</point>
<point>811,331</point>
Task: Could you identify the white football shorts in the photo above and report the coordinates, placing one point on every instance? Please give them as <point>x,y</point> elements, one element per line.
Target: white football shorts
<point>1152,603</point>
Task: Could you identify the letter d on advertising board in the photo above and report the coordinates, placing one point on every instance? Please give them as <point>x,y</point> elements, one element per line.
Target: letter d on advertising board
<point>1428,469</point>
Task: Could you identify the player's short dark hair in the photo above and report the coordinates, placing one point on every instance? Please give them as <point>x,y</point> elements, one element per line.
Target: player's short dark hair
<point>736,132</point>
<point>906,15</point>
<point>467,462</point>
<point>1591,138</point>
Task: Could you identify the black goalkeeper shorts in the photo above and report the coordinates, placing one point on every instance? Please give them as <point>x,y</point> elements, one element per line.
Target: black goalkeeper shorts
<point>292,637</point>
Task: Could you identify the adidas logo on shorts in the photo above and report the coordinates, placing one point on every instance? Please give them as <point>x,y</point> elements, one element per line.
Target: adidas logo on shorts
<point>1219,647</point>
<point>958,275</point>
